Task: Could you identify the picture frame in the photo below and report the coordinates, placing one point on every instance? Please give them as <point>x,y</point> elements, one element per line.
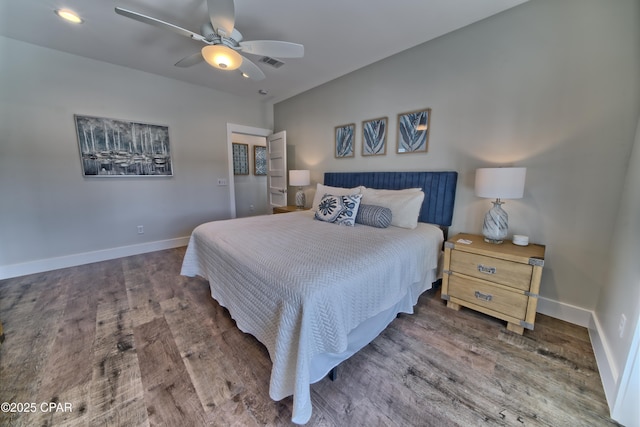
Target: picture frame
<point>413,131</point>
<point>344,140</point>
<point>122,148</point>
<point>240,158</point>
<point>259,160</point>
<point>374,137</point>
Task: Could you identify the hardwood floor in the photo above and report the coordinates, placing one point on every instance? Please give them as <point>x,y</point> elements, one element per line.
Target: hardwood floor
<point>130,342</point>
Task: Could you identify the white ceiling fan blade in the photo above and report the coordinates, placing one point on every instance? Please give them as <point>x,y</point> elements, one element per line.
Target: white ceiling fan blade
<point>222,14</point>
<point>273,48</point>
<point>251,70</point>
<point>190,60</point>
<point>158,23</point>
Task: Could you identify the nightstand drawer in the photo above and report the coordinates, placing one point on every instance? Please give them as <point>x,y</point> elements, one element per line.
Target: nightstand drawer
<point>488,296</point>
<point>496,270</point>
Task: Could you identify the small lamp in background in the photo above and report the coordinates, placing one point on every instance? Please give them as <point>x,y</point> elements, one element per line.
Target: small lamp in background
<point>299,178</point>
<point>498,183</point>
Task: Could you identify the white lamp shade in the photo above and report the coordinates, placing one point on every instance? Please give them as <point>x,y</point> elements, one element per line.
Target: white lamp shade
<point>299,178</point>
<point>221,57</point>
<point>500,183</point>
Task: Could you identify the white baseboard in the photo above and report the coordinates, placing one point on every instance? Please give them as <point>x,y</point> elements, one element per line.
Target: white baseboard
<point>606,365</point>
<point>587,318</point>
<point>38,266</point>
<point>569,313</point>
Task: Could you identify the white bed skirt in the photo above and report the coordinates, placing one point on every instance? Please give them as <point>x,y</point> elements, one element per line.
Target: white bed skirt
<point>368,330</point>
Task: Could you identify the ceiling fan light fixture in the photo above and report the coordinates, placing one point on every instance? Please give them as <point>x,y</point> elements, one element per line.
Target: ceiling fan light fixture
<point>69,15</point>
<point>221,57</point>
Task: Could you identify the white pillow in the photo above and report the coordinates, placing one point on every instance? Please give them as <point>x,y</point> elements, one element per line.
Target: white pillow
<point>321,190</point>
<point>404,204</point>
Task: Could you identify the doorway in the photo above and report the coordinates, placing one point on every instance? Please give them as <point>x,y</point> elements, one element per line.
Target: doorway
<point>250,182</point>
<point>244,193</point>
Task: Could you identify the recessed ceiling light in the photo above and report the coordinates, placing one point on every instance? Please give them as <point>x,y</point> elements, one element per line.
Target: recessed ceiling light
<point>69,15</point>
<point>245,75</point>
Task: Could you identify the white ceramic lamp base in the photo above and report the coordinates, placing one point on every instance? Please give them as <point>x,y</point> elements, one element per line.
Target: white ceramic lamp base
<point>495,226</point>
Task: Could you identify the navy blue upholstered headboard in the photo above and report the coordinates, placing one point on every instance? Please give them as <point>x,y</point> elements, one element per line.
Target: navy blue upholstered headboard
<point>439,189</point>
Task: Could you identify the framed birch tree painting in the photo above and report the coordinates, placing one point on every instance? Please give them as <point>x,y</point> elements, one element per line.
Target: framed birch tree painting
<point>374,137</point>
<point>413,131</point>
<point>122,148</point>
<point>345,135</point>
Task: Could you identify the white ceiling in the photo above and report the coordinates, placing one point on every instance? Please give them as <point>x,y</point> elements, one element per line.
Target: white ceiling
<point>339,36</point>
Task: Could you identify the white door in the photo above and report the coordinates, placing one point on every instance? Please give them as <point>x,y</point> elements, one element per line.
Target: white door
<point>277,169</point>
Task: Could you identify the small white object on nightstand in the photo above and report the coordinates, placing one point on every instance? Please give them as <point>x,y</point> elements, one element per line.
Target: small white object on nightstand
<point>520,240</point>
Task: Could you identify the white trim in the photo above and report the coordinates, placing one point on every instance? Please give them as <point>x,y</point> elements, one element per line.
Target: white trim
<point>620,390</point>
<point>247,130</point>
<point>604,359</point>
<point>625,407</point>
<point>607,369</point>
<point>38,266</point>
<point>569,313</point>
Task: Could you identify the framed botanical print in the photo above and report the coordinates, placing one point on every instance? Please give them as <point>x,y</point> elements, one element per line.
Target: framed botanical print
<point>259,160</point>
<point>345,136</point>
<point>413,131</point>
<point>240,158</point>
<point>374,137</point>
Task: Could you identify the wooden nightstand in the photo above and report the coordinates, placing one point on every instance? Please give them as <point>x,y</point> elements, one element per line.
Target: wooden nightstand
<point>285,209</point>
<point>499,280</point>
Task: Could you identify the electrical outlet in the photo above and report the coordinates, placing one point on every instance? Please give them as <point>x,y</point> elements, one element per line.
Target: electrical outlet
<point>222,181</point>
<point>141,229</point>
<point>623,323</point>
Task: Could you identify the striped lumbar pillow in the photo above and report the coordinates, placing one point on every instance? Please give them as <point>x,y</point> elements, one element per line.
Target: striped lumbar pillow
<point>374,216</point>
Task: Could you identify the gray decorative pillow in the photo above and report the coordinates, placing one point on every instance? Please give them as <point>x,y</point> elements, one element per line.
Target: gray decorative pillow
<point>338,209</point>
<point>374,216</point>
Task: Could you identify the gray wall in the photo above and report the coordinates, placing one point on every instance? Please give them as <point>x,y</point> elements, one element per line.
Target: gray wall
<point>550,85</point>
<point>620,294</point>
<point>48,210</point>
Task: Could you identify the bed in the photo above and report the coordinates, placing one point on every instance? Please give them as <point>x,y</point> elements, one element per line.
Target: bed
<point>314,292</point>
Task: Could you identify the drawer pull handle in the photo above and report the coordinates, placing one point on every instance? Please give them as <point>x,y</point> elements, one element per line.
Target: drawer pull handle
<point>486,270</point>
<point>482,296</point>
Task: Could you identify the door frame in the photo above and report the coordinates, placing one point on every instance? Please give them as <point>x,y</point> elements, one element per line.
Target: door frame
<point>248,130</point>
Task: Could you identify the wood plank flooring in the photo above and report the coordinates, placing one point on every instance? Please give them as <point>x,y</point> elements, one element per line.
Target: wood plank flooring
<point>130,342</point>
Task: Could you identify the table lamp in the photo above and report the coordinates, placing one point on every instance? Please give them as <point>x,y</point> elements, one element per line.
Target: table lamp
<point>498,183</point>
<point>299,178</point>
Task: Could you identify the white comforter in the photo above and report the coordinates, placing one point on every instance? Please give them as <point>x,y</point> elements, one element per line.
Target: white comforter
<point>300,285</point>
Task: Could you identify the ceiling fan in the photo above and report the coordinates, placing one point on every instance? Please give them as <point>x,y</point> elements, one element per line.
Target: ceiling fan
<point>223,41</point>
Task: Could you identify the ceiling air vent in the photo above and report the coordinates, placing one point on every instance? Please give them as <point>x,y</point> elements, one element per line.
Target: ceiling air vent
<point>271,61</point>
